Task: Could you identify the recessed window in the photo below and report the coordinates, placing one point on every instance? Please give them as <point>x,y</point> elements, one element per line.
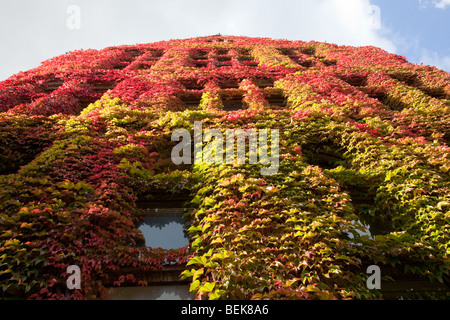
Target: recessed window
<point>222,51</point>
<point>277,100</point>
<point>355,80</point>
<point>134,52</point>
<point>200,58</point>
<point>201,63</point>
<point>301,61</point>
<point>275,97</point>
<point>159,292</point>
<point>233,103</point>
<point>264,83</point>
<point>438,93</point>
<point>102,87</point>
<point>164,228</point>
<point>250,63</point>
<point>413,287</point>
<point>157,53</point>
<point>286,51</point>
<point>99,88</point>
<point>191,100</point>
<point>163,224</point>
<point>229,84</point>
<point>308,50</point>
<point>224,58</point>
<point>191,84</point>
<point>224,61</point>
<point>52,85</point>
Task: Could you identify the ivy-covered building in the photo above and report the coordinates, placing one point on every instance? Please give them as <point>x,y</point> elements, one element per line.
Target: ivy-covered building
<point>87,176</point>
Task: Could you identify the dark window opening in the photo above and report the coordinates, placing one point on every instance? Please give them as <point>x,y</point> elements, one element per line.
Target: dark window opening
<point>224,61</point>
<point>22,153</point>
<point>355,80</point>
<point>233,103</point>
<point>328,62</point>
<point>201,63</point>
<point>438,93</point>
<point>134,52</point>
<point>264,83</point>
<point>287,51</point>
<point>412,80</point>
<point>191,100</point>
<point>201,54</point>
<point>250,63</point>
<point>302,62</point>
<point>245,58</point>
<point>121,65</point>
<point>392,103</point>
<point>99,88</point>
<point>407,78</point>
<point>224,64</point>
<point>143,65</point>
<point>229,84</point>
<point>52,85</point>
<point>152,59</point>
<point>363,201</point>
<point>223,58</point>
<point>191,84</point>
<point>157,53</point>
<point>324,155</point>
<point>221,52</point>
<point>309,50</point>
<point>276,99</point>
<point>102,87</point>
<point>200,58</point>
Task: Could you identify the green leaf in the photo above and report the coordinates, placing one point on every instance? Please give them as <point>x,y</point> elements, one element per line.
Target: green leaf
<point>198,260</point>
<point>216,295</point>
<point>198,273</point>
<point>209,202</point>
<point>217,240</point>
<point>207,287</point>
<point>187,274</point>
<point>197,200</point>
<point>194,229</point>
<point>194,285</point>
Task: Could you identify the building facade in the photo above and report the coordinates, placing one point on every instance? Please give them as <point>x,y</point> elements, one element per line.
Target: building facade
<point>88,176</point>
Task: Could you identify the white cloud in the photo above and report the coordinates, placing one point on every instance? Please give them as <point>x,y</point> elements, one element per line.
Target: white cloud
<point>349,22</point>
<point>432,58</point>
<point>442,4</point>
<point>38,34</point>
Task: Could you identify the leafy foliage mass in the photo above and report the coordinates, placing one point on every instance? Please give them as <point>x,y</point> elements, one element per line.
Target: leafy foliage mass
<point>363,176</point>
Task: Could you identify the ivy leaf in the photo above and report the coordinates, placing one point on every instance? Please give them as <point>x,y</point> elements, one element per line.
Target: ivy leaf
<point>207,287</point>
<point>209,202</point>
<point>194,285</point>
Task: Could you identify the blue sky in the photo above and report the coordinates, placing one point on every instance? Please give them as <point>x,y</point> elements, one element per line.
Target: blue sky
<point>32,31</point>
<point>420,29</point>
